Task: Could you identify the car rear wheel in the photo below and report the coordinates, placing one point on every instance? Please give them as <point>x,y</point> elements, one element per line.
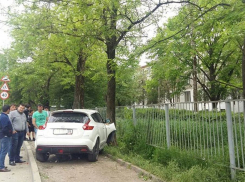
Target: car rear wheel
<point>42,157</point>
<point>95,153</point>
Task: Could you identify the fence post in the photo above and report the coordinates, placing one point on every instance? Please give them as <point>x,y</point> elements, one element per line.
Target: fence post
<point>230,139</point>
<point>167,125</point>
<point>134,115</point>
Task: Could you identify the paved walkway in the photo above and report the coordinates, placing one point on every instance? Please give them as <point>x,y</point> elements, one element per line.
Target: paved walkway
<point>24,172</point>
<point>28,171</point>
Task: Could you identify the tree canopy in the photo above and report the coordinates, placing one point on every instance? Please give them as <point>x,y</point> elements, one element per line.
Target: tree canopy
<point>81,54</point>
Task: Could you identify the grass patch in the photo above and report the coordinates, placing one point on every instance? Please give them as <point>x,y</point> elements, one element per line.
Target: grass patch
<point>44,176</point>
<point>175,169</point>
<point>174,164</point>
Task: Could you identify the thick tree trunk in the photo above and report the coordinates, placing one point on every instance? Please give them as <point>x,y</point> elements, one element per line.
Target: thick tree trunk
<point>77,91</point>
<point>111,86</point>
<point>78,102</point>
<point>111,89</point>
<point>111,44</point>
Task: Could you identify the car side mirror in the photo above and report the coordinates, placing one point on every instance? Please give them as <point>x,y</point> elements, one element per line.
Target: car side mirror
<point>107,121</point>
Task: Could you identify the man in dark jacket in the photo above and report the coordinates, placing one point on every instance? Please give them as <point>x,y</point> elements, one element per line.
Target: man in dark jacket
<point>6,131</point>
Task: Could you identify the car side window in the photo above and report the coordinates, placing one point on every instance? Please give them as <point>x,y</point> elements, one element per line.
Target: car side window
<point>97,118</point>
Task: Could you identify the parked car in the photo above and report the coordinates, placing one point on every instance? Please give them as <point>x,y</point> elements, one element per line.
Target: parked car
<point>73,131</point>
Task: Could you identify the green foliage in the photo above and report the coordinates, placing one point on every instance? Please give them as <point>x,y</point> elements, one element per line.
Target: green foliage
<point>156,112</point>
<point>188,159</point>
<point>168,164</point>
<point>197,173</point>
<point>210,39</point>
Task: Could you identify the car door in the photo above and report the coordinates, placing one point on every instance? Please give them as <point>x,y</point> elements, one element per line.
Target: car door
<point>101,128</point>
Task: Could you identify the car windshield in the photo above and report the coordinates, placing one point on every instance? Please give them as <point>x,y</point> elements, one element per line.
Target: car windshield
<point>69,117</point>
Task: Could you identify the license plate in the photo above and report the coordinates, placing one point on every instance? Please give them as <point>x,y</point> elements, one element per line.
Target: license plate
<point>63,131</point>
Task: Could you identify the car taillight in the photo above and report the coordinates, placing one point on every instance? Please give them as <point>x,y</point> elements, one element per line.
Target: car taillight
<point>42,127</point>
<point>87,127</point>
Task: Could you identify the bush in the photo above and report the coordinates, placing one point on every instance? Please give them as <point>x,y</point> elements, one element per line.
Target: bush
<point>145,144</point>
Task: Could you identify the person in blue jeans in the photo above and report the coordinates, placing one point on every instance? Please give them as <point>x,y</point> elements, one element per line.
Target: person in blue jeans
<point>6,131</point>
<point>20,128</point>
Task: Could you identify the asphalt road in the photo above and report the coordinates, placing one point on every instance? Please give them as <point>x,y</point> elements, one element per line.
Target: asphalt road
<point>79,169</point>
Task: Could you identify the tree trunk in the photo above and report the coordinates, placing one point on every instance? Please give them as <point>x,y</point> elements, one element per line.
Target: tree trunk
<point>111,44</point>
<point>195,83</point>
<point>243,69</point>
<point>159,92</point>
<point>46,96</point>
<point>243,76</point>
<point>78,102</point>
<point>111,89</point>
<point>77,91</point>
<point>111,86</point>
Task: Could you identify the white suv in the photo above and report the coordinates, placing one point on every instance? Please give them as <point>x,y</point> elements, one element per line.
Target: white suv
<point>73,132</point>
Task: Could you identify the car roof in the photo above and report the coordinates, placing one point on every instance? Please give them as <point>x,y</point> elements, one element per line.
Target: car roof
<point>87,111</point>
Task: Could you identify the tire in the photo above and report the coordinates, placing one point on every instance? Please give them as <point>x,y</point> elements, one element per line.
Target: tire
<point>110,138</point>
<point>42,157</point>
<point>93,157</point>
<point>101,151</point>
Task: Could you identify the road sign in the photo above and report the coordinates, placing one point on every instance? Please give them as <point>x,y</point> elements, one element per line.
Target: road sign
<point>5,87</point>
<point>5,79</point>
<point>4,95</point>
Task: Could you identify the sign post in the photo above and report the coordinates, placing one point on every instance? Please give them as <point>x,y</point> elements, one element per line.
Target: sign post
<point>4,88</point>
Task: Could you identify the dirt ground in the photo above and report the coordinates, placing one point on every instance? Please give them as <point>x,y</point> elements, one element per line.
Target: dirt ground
<point>79,169</point>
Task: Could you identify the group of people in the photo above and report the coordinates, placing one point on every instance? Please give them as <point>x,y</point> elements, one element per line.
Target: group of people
<point>15,125</point>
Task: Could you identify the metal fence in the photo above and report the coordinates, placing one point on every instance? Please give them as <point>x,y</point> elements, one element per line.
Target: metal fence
<point>209,130</point>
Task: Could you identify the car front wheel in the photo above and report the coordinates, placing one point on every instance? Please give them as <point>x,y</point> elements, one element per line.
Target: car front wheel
<point>95,153</point>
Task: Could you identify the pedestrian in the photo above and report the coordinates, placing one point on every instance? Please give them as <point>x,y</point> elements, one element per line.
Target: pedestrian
<point>47,110</point>
<point>26,111</point>
<point>19,123</point>
<point>6,131</point>
<point>30,126</point>
<point>12,107</point>
<point>39,117</point>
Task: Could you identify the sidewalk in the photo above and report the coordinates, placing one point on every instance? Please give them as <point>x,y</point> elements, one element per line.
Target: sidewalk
<point>22,172</point>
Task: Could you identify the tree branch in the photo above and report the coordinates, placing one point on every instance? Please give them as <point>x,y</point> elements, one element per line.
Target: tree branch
<point>205,12</point>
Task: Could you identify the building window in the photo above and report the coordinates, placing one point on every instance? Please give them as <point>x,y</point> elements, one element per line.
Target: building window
<point>177,98</point>
<point>187,96</point>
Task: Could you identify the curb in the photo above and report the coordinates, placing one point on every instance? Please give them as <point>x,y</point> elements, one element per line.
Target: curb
<point>135,168</point>
<point>33,165</point>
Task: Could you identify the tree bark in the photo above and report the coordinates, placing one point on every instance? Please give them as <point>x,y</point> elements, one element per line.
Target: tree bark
<point>243,76</point>
<point>111,88</point>
<point>195,83</point>
<point>78,102</point>
<point>243,69</point>
<point>46,96</point>
<point>111,44</point>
